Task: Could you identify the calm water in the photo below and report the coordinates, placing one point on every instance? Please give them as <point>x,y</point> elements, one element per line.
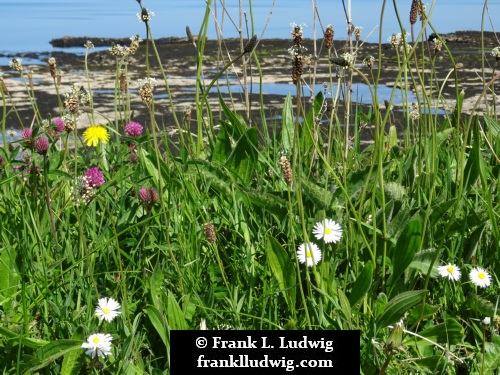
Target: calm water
<point>29,25</point>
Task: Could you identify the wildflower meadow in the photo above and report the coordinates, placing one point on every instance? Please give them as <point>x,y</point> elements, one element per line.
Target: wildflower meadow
<point>115,233</point>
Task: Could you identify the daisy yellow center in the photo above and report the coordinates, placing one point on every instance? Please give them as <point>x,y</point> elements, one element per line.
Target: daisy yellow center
<point>450,269</point>
<point>481,275</point>
<point>106,310</point>
<point>328,230</point>
<point>308,254</point>
<point>96,340</point>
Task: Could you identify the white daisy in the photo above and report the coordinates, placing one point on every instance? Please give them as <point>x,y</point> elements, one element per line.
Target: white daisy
<point>480,277</point>
<point>328,230</point>
<point>450,271</point>
<point>107,309</point>
<point>309,253</point>
<point>98,344</point>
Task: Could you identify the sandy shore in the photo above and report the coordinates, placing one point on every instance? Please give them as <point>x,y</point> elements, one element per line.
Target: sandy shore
<point>178,59</point>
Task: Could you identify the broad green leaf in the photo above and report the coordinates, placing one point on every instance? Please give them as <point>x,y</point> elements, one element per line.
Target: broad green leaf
<point>492,355</point>
<point>321,197</point>
<point>345,305</point>
<point>416,314</point>
<point>154,283</point>
<point>73,361</point>
<point>423,260</point>
<point>449,332</point>
<point>407,245</point>
<point>362,284</point>
<point>149,165</point>
<point>52,351</point>
<point>239,126</point>
<point>398,306</point>
<point>158,322</point>
<point>492,126</point>
<point>474,241</point>
<point>287,125</point>
<point>481,305</point>
<point>283,270</point>
<point>475,163</point>
<point>242,161</point>
<point>9,285</point>
<point>440,209</point>
<point>27,341</point>
<point>436,364</point>
<point>222,148</point>
<point>175,316</point>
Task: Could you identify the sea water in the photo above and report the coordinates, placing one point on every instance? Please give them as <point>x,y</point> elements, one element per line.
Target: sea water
<point>29,25</point>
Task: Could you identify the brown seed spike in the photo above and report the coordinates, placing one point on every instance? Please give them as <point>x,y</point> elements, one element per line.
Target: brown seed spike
<point>209,232</point>
<point>250,44</point>
<point>190,36</point>
<point>414,10</point>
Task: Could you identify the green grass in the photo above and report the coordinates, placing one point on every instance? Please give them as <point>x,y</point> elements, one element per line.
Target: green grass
<point>406,204</point>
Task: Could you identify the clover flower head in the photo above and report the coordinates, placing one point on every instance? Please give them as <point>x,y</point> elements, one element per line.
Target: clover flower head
<point>94,177</point>
<point>59,123</point>
<point>27,133</point>
<point>133,129</point>
<point>41,145</point>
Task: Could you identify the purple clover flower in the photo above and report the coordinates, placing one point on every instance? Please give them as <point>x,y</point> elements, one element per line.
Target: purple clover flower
<point>27,133</point>
<point>144,194</point>
<point>59,123</point>
<point>95,177</point>
<point>41,145</point>
<point>133,129</point>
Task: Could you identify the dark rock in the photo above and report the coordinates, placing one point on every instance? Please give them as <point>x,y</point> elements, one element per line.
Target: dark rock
<point>72,41</point>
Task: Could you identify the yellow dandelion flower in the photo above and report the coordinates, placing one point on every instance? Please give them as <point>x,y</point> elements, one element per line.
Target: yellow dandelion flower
<point>95,134</point>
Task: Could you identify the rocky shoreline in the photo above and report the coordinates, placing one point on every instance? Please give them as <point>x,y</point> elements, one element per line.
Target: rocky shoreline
<point>179,59</point>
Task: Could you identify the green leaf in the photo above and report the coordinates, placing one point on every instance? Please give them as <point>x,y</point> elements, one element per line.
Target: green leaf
<point>449,332</point>
<point>321,198</point>
<point>158,322</point>
<point>407,245</point>
<point>222,148</point>
<point>398,306</point>
<point>492,356</point>
<point>27,341</point>
<point>481,305</point>
<point>149,165</point>
<point>52,351</point>
<point>475,163</point>
<point>73,361</point>
<point>9,276</point>
<point>175,316</point>
<point>362,284</point>
<point>287,124</point>
<point>344,305</point>
<point>283,270</point>
<point>243,159</point>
